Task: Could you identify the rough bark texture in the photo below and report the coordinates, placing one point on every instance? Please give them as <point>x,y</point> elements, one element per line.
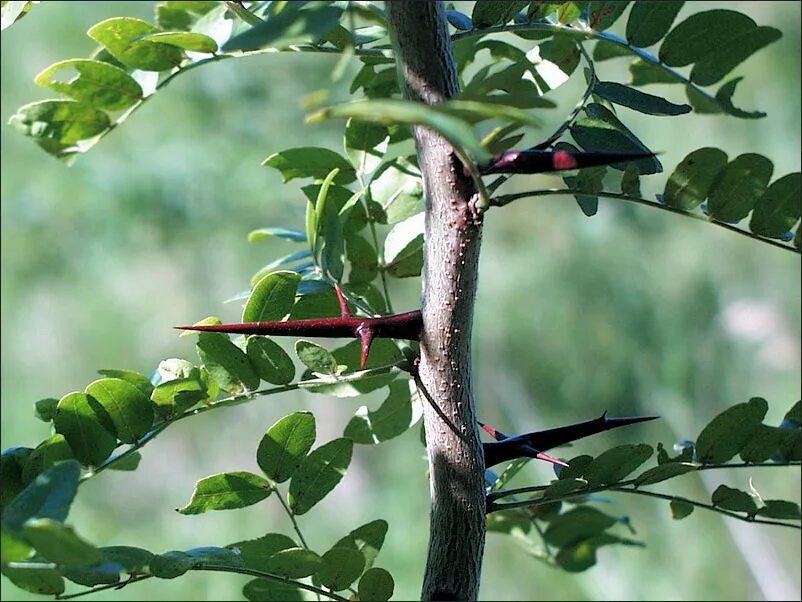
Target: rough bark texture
<point>457,521</point>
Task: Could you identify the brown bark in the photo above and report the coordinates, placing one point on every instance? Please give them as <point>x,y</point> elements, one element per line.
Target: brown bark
<point>452,241</point>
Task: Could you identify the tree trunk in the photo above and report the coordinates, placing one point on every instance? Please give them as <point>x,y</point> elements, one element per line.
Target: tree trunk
<point>452,241</point>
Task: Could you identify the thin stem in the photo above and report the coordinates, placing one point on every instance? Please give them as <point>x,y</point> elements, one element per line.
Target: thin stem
<point>291,516</point>
<point>100,588</point>
<point>501,201</point>
<point>366,198</point>
<point>271,577</point>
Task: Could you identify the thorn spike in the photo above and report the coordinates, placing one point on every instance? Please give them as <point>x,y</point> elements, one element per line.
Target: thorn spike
<point>366,334</point>
<point>344,309</point>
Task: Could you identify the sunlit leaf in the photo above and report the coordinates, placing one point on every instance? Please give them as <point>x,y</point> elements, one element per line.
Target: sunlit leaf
<point>227,491</point>
<point>285,445</point>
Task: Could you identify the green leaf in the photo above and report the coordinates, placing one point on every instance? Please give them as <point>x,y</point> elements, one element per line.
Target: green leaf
<point>272,363</point>
<point>376,584</point>
<point>616,463</point>
<point>129,462</point>
<point>646,72</point>
<point>581,556</point>
<point>227,364</point>
<point>117,35</point>
<point>779,208</point>
<point>285,233</point>
<point>650,21</point>
<point>255,552</point>
<point>392,419</point>
<point>725,57</point>
<point>340,567</point>
<point>59,543</point>
<point>45,409</point>
<point>43,581</point>
<point>129,409</point>
<point>680,509</point>
<point>367,539</point>
<point>170,564</point>
<point>13,549</point>
<point>603,132</point>
<point>227,491</point>
<point>382,353</point>
<point>601,15</point>
<point>12,463</point>
<point>664,472</point>
<point>403,247</point>
<point>272,297</point>
<point>390,112</point>
<point>362,258</point>
<point>780,509</point>
<point>730,431</point>
<point>194,42</point>
<point>365,145</point>
<point>48,453</point>
<point>724,101</point>
<point>265,590</point>
<point>140,381</point>
<point>473,111</point>
<point>509,521</point>
<point>498,12</point>
<point>294,563</point>
<point>98,84</point>
<point>57,125</point>
<point>290,26</point>
<point>103,573</point>
<point>576,467</point>
<point>325,230</point>
<point>85,425</point>
<point>132,560</point>
<point>630,181</point>
<point>398,187</point>
<point>702,34</point>
<point>315,357</point>
<point>734,500</point>
<point>311,162</point>
<point>575,525</point>
<point>693,178</point>
<point>319,474</point>
<point>562,487</point>
<point>49,496</point>
<point>180,394</point>
<point>637,100</point>
<point>739,187</point>
<point>285,445</point>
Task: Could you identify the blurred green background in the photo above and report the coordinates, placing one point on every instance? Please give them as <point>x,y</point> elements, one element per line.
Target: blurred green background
<point>631,311</point>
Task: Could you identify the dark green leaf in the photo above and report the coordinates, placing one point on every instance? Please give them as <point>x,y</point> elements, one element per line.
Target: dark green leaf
<point>129,409</point>
<point>616,463</point>
<point>693,178</point>
<point>701,34</point>
<point>103,573</point>
<point>311,162</point>
<point>272,297</point>
<point>718,63</point>
<point>576,467</point>
<point>637,100</point>
<point>734,500</point>
<point>255,552</point>
<point>601,15</point>
<point>562,487</point>
<point>129,462</point>
<point>227,491</point>
<point>398,187</point>
<point>403,247</point>
<point>48,453</point>
<point>630,181</point>
<point>362,258</point>
<point>382,353</point>
<point>294,563</point>
<point>132,560</point>
<point>680,509</point>
<point>498,12</point>
<point>577,524</point>
<point>290,26</point>
<point>57,125</point>
<point>227,364</point>
<point>117,36</point>
<point>376,584</point>
<point>270,360</point>
<point>98,84</point>
<point>315,357</point>
<point>391,419</point>
<point>779,208</point>
<point>59,543</point>
<point>606,50</point>
<point>195,42</point>
<point>83,422</point>
<point>686,455</point>
<point>45,409</point>
<point>664,472</point>
<point>724,101</point>
<point>49,496</point>
<point>265,590</point>
<point>140,381</point>
<point>650,21</point>
<point>180,394</point>
<point>319,473</point>
<point>509,521</point>
<point>729,432</point>
<point>646,72</point>
<point>581,556</point>
<point>12,463</point>
<point>780,509</point>
<point>170,564</point>
<point>285,445</point>
<point>341,566</point>
<point>44,581</point>
<point>739,187</point>
<point>367,539</point>
<point>365,144</point>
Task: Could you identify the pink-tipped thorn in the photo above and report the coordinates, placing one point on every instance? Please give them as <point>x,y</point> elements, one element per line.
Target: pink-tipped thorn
<point>547,458</point>
<point>346,311</point>
<point>488,429</point>
<point>366,334</point>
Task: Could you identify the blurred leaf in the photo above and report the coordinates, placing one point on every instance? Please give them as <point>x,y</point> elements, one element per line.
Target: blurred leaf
<point>362,258</point>
<point>255,552</point>
<point>59,543</point>
<point>311,162</point>
<point>98,84</point>
<point>56,125</point>
<point>48,453</point>
<point>129,409</point>
<point>702,34</point>
<point>117,36</point>
<point>734,500</point>
<point>730,431</point>
<point>227,491</point>
<point>739,187</point>
<point>12,12</point>
<point>616,463</point>
<point>664,472</point>
<point>140,381</point>
<point>83,422</point>
<point>725,57</point>
<point>779,208</point>
<point>227,364</point>
<point>170,564</point>
<point>650,21</point>
<point>499,12</point>
<point>563,487</point>
<point>630,181</point>
<point>49,496</point>
<point>601,15</point>
<point>680,509</point>
<point>45,409</point>
<point>43,581</point>
<point>637,100</point>
<point>265,590</point>
<point>129,462</point>
<point>780,509</point>
<point>606,50</point>
<point>290,26</point>
<point>693,178</point>
<point>646,72</point>
<point>460,21</point>
<point>293,563</point>
<point>12,462</point>
<point>724,102</point>
<point>376,584</point>
<point>340,567</point>
<point>285,233</point>
<point>403,247</point>
<point>575,525</point>
<point>194,42</point>
<point>397,185</point>
<point>391,419</point>
<point>285,445</point>
<point>272,363</point>
<point>508,521</point>
<point>576,467</point>
<point>132,560</point>
<point>315,357</point>
<point>13,549</point>
<point>581,555</point>
<point>365,145</point>
<point>319,474</point>
<point>102,573</point>
<point>272,297</point>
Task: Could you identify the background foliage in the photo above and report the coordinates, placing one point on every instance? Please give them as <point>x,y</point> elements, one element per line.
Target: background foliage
<point>630,312</point>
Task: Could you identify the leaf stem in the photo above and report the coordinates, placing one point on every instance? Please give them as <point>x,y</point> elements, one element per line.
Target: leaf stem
<point>501,201</point>
<point>270,576</point>
<point>291,516</point>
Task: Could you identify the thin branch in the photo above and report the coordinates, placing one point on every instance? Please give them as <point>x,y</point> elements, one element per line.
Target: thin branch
<point>501,201</point>
<point>271,576</point>
<point>100,588</point>
<point>291,516</point>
